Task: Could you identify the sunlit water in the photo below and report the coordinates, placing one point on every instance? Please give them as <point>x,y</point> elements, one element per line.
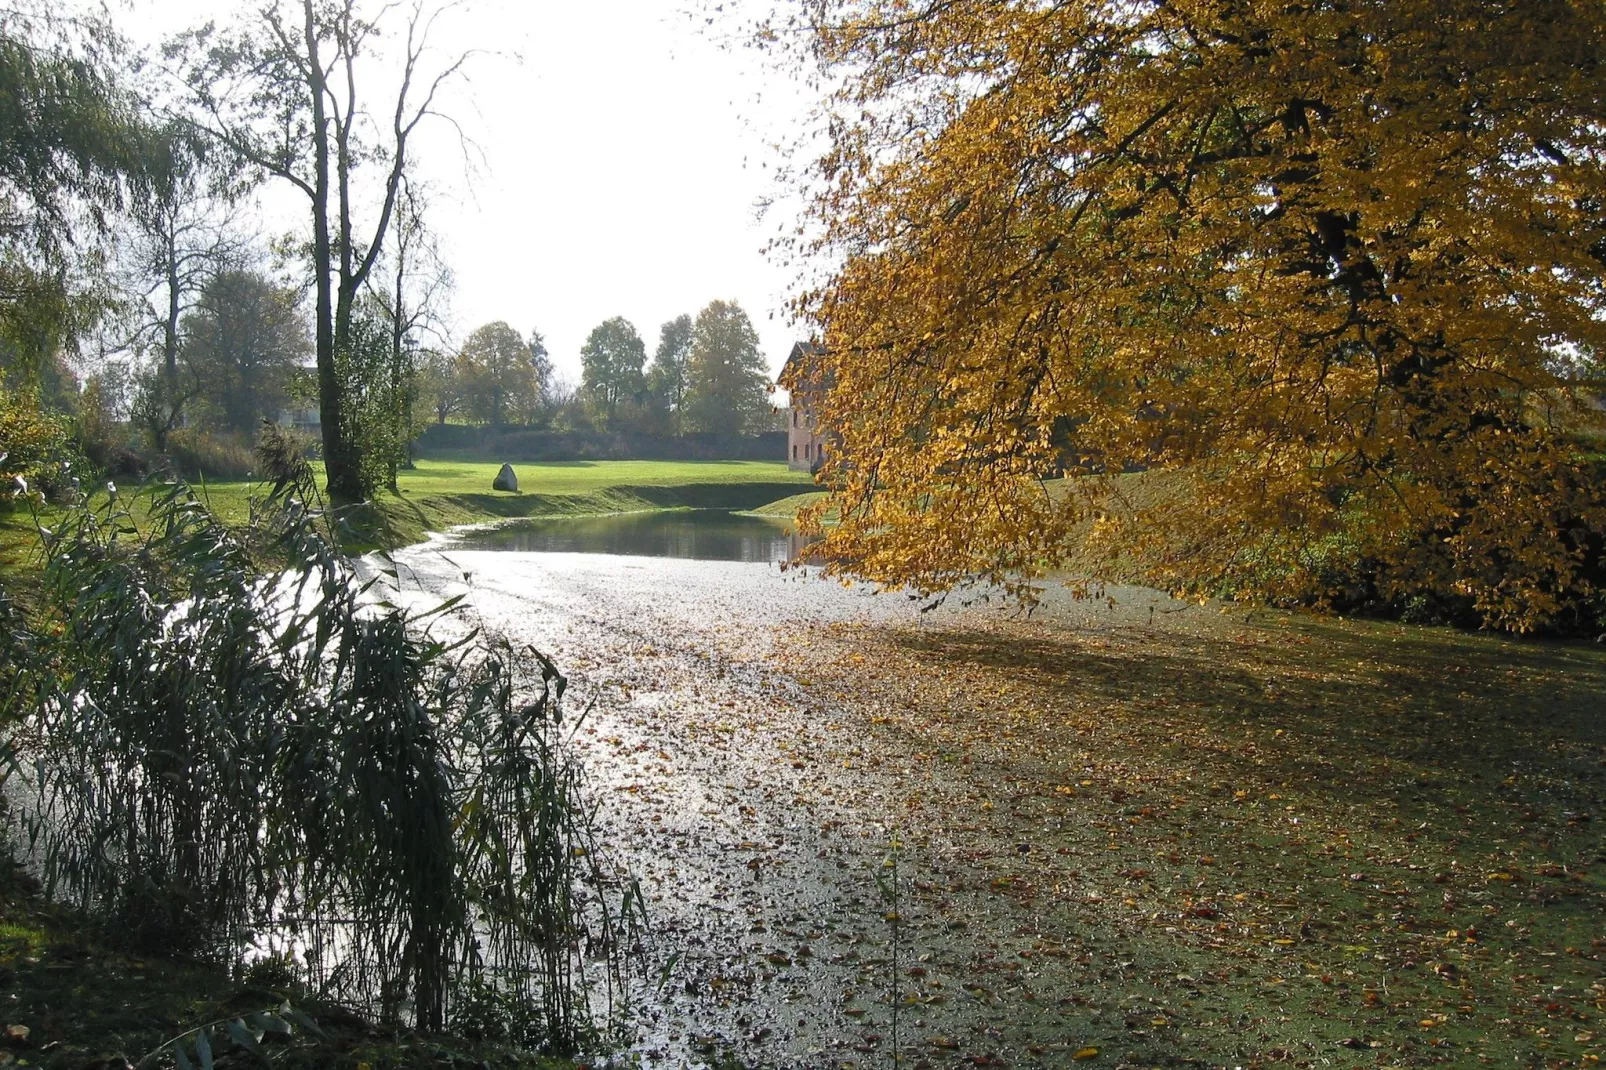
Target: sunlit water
<point>722,783</point>
<point>695,534</point>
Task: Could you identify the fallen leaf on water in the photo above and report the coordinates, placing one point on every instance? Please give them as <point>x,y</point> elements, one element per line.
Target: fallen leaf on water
<point>1086,1053</point>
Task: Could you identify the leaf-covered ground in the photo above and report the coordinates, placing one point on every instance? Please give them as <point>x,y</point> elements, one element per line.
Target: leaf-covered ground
<point>1319,843</point>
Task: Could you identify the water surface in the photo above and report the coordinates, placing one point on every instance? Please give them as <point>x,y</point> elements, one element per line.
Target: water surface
<point>696,534</point>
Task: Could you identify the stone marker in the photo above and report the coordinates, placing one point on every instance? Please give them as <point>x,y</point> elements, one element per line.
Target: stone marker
<point>506,479</point>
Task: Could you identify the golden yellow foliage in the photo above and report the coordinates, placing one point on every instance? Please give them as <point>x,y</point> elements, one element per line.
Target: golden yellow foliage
<point>1337,264</point>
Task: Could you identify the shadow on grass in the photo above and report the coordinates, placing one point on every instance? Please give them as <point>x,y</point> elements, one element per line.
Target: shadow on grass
<point>1389,835</point>
<point>1333,700</point>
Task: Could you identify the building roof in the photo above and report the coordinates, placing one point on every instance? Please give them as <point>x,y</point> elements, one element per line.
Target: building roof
<point>796,360</point>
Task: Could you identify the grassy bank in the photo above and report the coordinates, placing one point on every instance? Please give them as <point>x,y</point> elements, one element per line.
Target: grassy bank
<point>788,507</point>
<point>437,495</point>
<point>440,494</point>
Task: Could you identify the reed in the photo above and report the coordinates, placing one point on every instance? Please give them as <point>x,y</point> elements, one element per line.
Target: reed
<point>235,747</point>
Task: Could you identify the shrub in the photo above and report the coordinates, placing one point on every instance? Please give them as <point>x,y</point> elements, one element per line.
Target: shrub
<point>193,454</point>
<point>36,447</point>
<point>282,455</point>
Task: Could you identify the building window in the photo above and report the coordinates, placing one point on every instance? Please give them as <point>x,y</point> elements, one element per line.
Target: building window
<point>794,451</point>
<point>794,417</point>
<point>806,449</point>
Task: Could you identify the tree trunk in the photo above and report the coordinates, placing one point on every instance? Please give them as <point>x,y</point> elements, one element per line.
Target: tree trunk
<point>171,403</point>
<point>343,479</point>
<point>399,397</point>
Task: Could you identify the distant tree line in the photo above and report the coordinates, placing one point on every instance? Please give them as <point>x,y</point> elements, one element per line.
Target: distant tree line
<point>706,375</point>
<point>147,323</point>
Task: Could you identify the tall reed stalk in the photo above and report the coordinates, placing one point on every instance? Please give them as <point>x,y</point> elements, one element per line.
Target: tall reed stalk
<point>234,745</point>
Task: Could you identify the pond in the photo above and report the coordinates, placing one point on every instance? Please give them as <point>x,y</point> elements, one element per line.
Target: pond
<point>697,534</point>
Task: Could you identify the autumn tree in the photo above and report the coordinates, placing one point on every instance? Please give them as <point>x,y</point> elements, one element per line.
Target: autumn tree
<point>1331,273</point>
<point>611,367</point>
<point>498,373</point>
<point>726,378</point>
<point>286,91</point>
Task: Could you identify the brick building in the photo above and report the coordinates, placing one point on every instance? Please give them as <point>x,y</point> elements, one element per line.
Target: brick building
<point>805,440</point>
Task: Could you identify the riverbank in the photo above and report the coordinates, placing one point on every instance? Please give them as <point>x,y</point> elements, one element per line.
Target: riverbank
<point>76,1000</point>
<point>438,495</point>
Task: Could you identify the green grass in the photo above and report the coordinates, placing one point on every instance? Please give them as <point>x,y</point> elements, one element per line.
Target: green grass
<point>439,494</point>
<point>787,508</point>
<point>434,478</point>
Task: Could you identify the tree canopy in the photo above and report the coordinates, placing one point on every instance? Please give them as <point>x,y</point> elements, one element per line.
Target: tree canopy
<point>1335,267</point>
<point>611,366</point>
<point>497,370</point>
<point>666,375</point>
<point>71,143</point>
<point>726,378</point>
<point>242,342</point>
<point>285,92</point>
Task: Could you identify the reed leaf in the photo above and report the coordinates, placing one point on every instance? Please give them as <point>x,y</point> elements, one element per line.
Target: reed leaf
<point>236,747</point>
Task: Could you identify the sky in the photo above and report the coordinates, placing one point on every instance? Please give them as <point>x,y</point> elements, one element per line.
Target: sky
<point>620,153</point>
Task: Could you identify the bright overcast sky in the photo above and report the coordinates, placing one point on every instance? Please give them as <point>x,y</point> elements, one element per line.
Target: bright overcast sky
<point>620,161</point>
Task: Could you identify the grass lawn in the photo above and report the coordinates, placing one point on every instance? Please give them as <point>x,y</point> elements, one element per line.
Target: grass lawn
<point>586,477</point>
<point>439,494</point>
<point>788,507</point>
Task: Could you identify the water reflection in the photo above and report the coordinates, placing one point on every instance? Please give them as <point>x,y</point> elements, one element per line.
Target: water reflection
<point>700,534</point>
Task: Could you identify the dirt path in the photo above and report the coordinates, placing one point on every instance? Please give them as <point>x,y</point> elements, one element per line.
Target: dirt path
<point>1143,839</point>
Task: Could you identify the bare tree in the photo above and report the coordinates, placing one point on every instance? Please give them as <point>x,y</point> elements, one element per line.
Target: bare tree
<point>284,91</point>
<point>182,237</point>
